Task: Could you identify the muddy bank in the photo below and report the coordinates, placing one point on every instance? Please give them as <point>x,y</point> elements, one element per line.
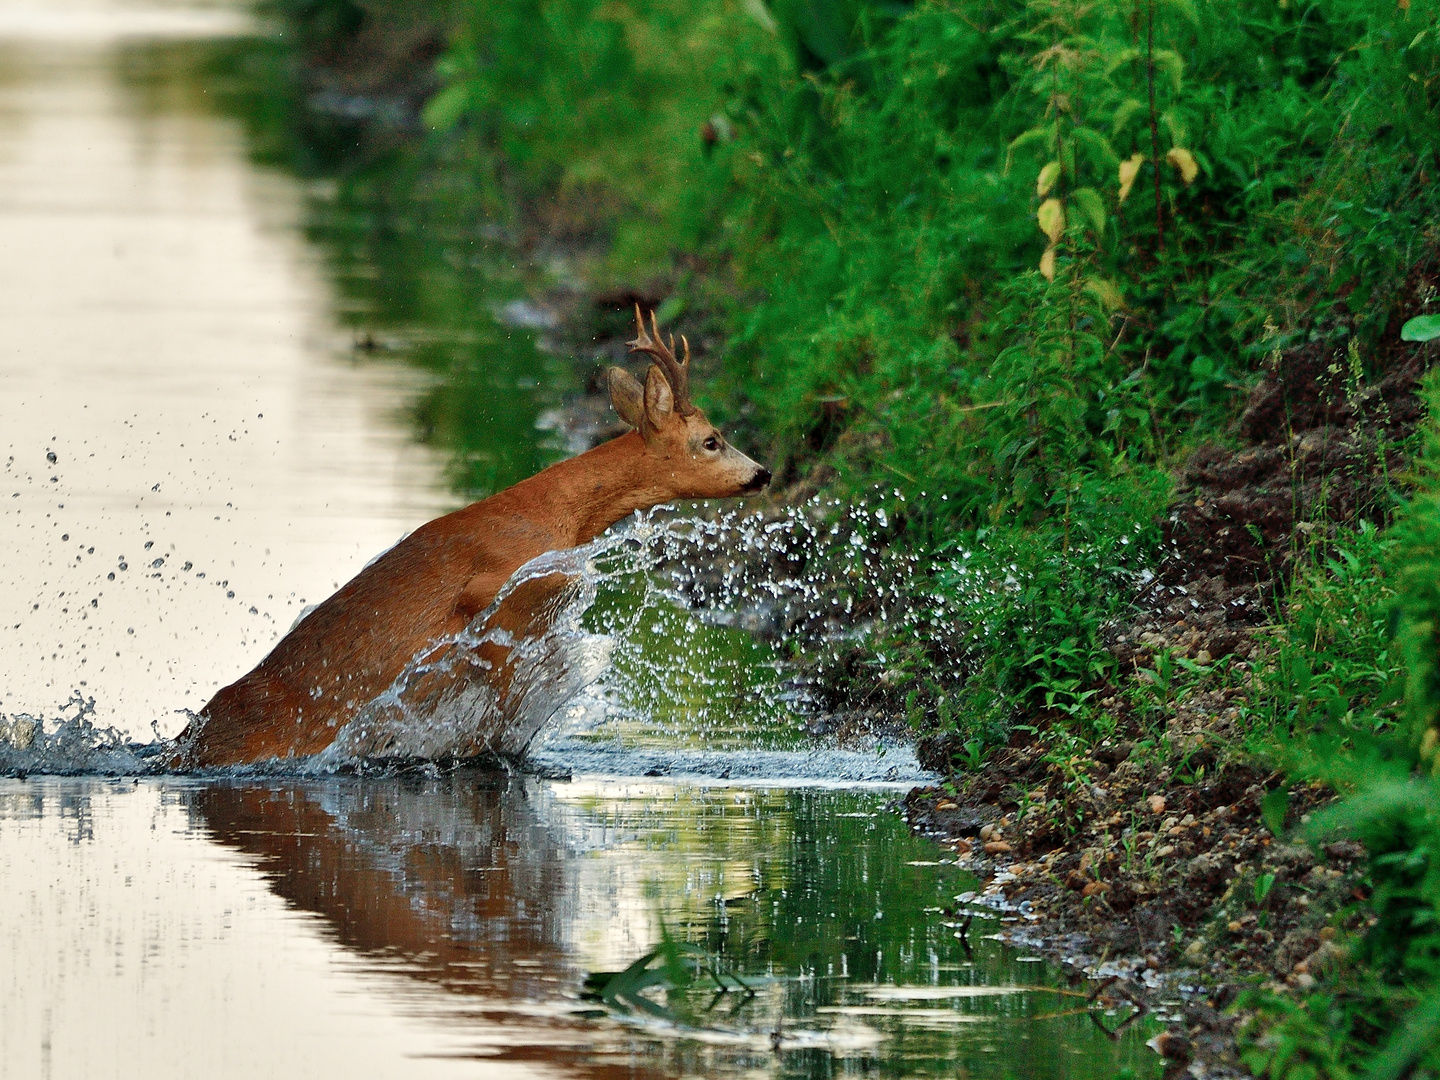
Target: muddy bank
<point>1164,856</point>
<point>1164,889</point>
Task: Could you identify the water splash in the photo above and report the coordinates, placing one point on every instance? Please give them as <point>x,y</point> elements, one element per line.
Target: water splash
<point>69,743</point>
<point>669,632</point>
<point>489,689</point>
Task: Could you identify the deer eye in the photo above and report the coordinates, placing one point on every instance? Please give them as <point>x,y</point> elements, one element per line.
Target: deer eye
<point>712,444</point>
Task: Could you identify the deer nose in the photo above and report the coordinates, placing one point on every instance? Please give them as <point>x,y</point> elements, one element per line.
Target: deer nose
<point>758,481</point>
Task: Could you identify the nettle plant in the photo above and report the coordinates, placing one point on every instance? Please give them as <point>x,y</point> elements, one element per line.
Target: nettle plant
<point>1109,79</point>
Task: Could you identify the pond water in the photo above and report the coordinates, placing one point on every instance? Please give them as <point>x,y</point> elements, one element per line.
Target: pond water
<point>234,369</point>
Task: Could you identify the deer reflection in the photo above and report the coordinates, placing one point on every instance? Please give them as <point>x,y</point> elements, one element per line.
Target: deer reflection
<point>460,881</point>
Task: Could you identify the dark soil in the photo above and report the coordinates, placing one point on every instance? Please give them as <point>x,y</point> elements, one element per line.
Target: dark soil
<point>1167,858</point>
<point>1320,449</point>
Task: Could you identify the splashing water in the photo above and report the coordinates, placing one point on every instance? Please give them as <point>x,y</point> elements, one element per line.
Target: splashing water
<point>68,743</point>
<point>668,631</point>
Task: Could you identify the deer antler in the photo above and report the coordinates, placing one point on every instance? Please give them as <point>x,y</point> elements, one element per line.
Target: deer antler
<point>676,372</point>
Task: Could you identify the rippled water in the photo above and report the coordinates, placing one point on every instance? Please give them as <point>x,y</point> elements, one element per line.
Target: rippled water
<point>443,927</point>
<point>225,385</point>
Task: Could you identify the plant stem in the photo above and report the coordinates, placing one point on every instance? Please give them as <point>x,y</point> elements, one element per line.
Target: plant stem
<point>1154,127</point>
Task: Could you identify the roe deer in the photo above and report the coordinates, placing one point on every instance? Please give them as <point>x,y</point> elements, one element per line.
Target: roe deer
<point>430,586</point>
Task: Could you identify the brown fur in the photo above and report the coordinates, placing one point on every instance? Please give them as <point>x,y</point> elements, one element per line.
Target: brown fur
<point>431,584</point>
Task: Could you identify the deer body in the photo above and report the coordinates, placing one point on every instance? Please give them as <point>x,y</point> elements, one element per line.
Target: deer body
<point>433,583</point>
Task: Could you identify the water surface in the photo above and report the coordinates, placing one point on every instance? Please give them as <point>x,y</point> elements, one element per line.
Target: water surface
<point>444,926</point>
<point>188,448</point>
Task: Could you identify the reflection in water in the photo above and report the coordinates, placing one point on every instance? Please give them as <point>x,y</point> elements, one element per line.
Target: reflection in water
<point>438,927</point>
<point>503,890</point>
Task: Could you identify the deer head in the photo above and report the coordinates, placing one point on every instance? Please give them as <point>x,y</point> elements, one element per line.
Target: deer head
<point>690,452</point>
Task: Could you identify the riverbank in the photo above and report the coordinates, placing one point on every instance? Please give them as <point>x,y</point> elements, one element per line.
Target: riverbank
<point>1131,380</point>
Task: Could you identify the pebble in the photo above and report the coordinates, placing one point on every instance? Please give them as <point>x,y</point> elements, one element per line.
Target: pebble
<point>1156,803</point>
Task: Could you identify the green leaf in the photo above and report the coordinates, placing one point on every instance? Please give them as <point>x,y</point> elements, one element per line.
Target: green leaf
<point>1092,206</point>
<point>1422,1027</point>
<point>1263,884</point>
<point>1421,328</point>
<point>1272,810</point>
<point>1044,133</point>
<point>1173,124</point>
<point>1097,145</point>
<point>1169,60</point>
<point>1128,110</point>
<point>445,109</point>
<point>1124,56</point>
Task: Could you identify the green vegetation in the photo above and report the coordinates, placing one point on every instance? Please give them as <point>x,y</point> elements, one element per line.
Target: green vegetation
<point>1380,1015</point>
<point>1003,265</point>
<point>1011,258</point>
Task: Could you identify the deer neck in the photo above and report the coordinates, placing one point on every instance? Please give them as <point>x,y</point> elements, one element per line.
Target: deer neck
<point>582,497</point>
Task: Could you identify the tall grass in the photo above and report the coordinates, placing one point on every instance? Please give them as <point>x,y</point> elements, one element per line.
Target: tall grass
<point>1380,1015</point>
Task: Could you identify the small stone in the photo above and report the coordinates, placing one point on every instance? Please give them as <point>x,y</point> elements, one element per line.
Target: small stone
<point>997,847</point>
<point>1234,926</point>
<point>962,847</point>
<point>1161,852</point>
<point>1095,888</point>
<point>988,832</point>
<point>1194,949</point>
<point>946,805</point>
<point>1203,656</point>
<point>1156,804</point>
<point>1169,1045</point>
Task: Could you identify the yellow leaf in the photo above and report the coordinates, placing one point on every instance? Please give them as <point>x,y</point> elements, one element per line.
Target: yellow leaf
<point>1047,264</point>
<point>1129,169</point>
<point>1051,216</point>
<point>1048,175</point>
<point>1183,160</point>
<point>1107,292</point>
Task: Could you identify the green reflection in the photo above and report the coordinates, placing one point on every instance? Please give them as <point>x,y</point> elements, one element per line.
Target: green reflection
<point>496,889</point>
<point>414,250</point>
<point>842,923</point>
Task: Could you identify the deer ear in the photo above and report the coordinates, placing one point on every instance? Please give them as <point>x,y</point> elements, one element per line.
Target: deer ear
<point>627,396</point>
<point>659,398</point>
